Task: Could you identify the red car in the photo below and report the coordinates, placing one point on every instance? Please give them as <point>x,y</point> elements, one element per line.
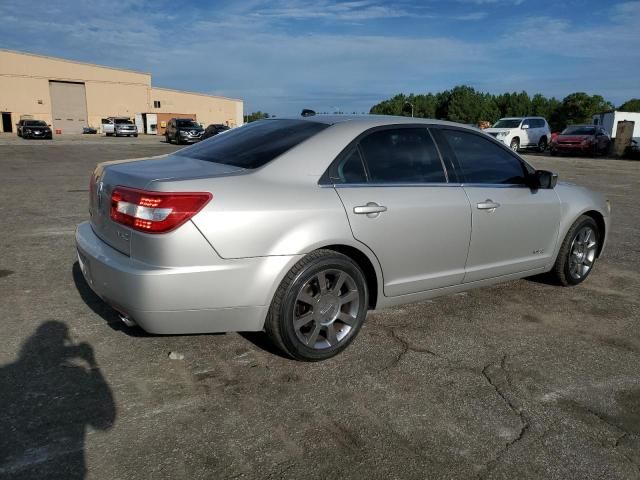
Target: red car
<point>581,139</point>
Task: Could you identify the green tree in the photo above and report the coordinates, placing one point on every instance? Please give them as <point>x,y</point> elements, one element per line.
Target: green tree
<point>579,107</point>
<point>514,104</point>
<point>252,117</point>
<point>466,105</point>
<point>632,105</point>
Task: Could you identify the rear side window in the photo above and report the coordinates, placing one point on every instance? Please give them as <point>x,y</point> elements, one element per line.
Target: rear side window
<point>482,161</point>
<point>402,155</point>
<point>255,144</point>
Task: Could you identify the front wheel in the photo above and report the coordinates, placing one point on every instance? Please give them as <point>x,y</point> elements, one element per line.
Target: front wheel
<point>514,145</point>
<point>578,252</point>
<point>319,307</point>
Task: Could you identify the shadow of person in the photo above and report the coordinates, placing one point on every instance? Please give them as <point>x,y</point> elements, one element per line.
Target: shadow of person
<point>49,396</point>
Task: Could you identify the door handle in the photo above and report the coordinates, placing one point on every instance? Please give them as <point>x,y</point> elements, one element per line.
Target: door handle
<point>371,209</point>
<point>488,204</point>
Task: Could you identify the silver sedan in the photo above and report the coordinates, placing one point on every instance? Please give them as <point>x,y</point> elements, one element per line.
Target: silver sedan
<point>299,226</point>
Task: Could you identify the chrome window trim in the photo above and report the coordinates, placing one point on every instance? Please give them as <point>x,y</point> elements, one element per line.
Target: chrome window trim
<point>429,185</point>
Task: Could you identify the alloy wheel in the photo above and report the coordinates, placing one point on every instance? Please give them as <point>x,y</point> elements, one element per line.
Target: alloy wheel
<point>326,309</point>
<point>582,253</point>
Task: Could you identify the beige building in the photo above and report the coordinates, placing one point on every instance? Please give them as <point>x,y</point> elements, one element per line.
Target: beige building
<point>70,95</point>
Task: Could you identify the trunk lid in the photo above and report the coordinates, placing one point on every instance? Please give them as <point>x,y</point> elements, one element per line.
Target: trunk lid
<point>140,174</point>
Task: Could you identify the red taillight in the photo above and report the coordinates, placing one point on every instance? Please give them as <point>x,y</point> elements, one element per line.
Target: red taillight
<point>154,212</point>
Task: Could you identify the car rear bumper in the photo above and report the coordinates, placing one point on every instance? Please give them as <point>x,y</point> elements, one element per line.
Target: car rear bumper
<point>233,295</point>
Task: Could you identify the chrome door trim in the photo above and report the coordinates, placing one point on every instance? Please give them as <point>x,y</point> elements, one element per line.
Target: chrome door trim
<point>429,185</point>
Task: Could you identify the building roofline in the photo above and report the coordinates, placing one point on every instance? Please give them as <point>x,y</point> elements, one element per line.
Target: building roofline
<point>60,59</point>
<point>196,93</point>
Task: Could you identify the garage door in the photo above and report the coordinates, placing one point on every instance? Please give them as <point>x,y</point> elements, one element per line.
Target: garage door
<point>68,106</point>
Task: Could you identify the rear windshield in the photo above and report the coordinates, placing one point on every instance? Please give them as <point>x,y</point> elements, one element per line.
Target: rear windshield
<point>254,144</point>
<point>579,130</point>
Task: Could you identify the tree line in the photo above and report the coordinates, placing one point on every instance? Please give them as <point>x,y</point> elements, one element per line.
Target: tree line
<point>465,104</point>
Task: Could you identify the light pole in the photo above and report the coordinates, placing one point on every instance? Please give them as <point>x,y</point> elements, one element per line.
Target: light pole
<point>411,105</point>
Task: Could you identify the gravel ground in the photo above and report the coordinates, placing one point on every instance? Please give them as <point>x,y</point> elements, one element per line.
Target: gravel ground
<point>520,380</point>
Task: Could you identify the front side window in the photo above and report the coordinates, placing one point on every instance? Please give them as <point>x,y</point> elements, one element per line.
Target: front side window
<point>402,155</point>
<point>482,161</point>
<point>255,144</point>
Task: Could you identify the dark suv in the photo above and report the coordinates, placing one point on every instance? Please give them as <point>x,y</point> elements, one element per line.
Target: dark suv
<point>214,129</point>
<point>34,129</point>
<point>183,130</point>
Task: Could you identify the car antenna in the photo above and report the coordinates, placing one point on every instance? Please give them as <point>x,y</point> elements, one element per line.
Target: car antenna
<point>306,112</point>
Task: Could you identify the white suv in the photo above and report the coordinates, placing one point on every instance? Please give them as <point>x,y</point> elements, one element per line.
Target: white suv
<point>522,132</point>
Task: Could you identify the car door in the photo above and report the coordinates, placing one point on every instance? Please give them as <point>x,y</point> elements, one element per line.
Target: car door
<point>394,189</point>
<point>107,126</point>
<point>514,228</point>
<point>528,133</point>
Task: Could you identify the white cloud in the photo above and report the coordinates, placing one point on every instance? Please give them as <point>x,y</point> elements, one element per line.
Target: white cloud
<point>249,51</point>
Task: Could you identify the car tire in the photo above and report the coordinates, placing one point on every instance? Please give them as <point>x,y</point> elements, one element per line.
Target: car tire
<point>578,252</point>
<point>514,145</point>
<point>542,145</point>
<point>177,139</point>
<point>167,139</point>
<point>312,321</point>
<point>135,135</point>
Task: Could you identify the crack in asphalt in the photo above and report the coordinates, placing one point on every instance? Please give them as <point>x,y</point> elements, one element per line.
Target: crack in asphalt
<point>406,347</point>
<point>524,422</point>
<point>606,421</point>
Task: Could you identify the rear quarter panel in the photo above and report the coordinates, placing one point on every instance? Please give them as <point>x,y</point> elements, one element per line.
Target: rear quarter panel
<point>250,216</point>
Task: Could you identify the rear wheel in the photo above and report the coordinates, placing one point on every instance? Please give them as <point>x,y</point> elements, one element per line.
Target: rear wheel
<point>542,144</point>
<point>514,145</point>
<point>578,252</point>
<point>319,307</point>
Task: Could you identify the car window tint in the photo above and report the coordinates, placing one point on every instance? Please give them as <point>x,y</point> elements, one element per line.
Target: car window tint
<point>403,155</point>
<point>254,144</point>
<point>482,161</point>
<point>350,169</point>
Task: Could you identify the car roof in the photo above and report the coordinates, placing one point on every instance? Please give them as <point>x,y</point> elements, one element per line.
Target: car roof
<point>369,120</point>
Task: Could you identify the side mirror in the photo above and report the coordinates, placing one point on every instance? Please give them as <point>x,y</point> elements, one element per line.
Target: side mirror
<point>544,179</point>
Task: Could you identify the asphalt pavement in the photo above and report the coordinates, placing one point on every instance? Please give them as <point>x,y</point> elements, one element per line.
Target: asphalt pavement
<point>520,380</point>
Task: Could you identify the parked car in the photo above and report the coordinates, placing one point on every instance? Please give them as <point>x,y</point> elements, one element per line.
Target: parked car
<point>214,129</point>
<point>521,132</point>
<point>89,130</point>
<point>299,226</point>
<point>183,130</point>
<point>34,129</point>
<point>583,139</point>
<point>119,126</point>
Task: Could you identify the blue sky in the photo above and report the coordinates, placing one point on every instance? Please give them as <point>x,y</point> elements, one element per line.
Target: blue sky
<point>283,55</point>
